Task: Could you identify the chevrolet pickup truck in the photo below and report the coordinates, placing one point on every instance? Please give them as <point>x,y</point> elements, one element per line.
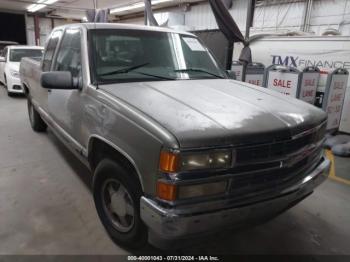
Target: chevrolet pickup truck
<point>177,149</point>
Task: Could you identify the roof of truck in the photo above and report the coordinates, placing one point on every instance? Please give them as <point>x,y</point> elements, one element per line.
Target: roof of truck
<point>126,26</point>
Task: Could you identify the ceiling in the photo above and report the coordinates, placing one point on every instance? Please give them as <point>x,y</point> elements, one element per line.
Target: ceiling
<point>21,5</point>
<point>76,9</point>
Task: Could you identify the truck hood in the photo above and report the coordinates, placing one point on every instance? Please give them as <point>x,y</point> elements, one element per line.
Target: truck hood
<point>202,113</point>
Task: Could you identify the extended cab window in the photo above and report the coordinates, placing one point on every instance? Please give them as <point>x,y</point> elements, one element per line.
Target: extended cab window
<point>69,53</point>
<point>50,50</point>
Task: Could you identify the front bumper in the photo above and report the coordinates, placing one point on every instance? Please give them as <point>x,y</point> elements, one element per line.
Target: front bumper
<point>14,85</point>
<point>167,225</point>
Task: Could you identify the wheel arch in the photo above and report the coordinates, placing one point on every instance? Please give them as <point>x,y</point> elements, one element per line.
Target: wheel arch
<point>25,88</point>
<point>99,148</point>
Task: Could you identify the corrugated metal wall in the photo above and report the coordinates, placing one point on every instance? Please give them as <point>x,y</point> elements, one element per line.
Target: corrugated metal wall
<point>201,17</point>
<point>273,15</point>
<point>331,13</point>
<point>270,15</point>
<point>283,16</point>
<point>45,28</point>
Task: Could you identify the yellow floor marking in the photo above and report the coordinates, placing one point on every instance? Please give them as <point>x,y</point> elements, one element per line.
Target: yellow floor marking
<point>332,175</point>
<point>341,180</point>
<point>330,157</point>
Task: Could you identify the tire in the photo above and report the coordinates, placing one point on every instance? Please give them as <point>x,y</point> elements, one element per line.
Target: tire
<point>111,180</point>
<point>5,84</point>
<point>38,125</point>
<point>9,94</point>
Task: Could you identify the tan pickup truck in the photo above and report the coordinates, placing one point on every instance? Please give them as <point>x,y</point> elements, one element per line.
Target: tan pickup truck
<point>177,149</point>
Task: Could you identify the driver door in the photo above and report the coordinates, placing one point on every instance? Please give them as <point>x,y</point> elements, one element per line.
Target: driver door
<point>65,105</point>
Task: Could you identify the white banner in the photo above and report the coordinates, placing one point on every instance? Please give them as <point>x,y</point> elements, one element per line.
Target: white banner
<point>335,100</point>
<point>285,83</point>
<point>308,87</point>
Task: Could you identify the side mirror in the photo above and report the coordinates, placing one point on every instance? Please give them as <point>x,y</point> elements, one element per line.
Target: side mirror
<point>231,74</point>
<point>58,80</point>
<point>2,59</point>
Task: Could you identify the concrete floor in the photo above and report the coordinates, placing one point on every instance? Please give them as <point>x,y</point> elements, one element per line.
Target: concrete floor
<point>46,206</point>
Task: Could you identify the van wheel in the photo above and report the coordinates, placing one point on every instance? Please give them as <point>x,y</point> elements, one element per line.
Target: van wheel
<point>117,195</point>
<point>38,125</point>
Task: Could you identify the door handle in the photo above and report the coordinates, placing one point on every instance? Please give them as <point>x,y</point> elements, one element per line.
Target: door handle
<point>49,90</point>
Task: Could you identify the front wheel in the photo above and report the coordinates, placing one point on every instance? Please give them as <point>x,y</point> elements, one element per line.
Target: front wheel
<point>7,88</point>
<point>117,195</point>
<point>38,125</point>
<point>5,82</point>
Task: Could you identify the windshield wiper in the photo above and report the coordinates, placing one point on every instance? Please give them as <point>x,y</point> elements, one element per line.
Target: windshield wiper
<point>132,68</point>
<point>192,69</point>
<point>124,70</point>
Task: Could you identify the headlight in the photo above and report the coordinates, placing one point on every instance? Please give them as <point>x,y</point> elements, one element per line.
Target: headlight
<point>14,73</point>
<point>210,159</point>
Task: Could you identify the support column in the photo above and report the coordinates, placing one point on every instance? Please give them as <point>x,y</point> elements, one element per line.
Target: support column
<point>37,29</point>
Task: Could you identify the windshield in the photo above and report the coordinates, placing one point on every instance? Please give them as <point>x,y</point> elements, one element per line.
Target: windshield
<point>17,54</point>
<point>139,55</point>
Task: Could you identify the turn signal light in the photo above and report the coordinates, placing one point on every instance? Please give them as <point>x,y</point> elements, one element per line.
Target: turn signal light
<point>166,191</point>
<point>168,161</point>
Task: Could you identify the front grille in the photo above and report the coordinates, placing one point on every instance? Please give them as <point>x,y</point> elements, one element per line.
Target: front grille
<point>270,181</point>
<point>266,169</point>
<point>275,150</point>
<point>278,149</point>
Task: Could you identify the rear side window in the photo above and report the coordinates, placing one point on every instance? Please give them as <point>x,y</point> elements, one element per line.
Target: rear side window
<point>50,50</point>
<point>69,54</point>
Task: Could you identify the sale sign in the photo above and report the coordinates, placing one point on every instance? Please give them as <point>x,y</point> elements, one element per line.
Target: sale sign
<point>255,79</point>
<point>308,87</point>
<point>283,82</point>
<point>238,70</point>
<point>335,99</point>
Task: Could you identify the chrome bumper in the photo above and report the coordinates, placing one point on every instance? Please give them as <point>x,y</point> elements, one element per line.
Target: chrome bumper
<point>181,223</point>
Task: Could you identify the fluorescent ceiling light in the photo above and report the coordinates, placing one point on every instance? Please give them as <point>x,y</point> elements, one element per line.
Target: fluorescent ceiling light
<point>135,6</point>
<point>40,5</point>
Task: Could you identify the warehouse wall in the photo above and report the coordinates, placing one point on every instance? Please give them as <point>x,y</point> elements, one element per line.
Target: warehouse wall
<point>46,26</point>
<point>271,16</point>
